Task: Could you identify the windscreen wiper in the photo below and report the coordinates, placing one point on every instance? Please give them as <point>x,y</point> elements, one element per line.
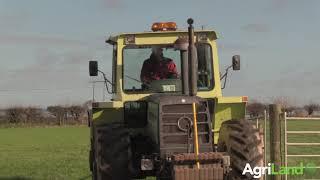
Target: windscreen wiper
<point>134,79</point>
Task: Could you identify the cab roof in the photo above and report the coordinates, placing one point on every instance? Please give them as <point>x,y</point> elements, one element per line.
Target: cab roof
<point>113,38</point>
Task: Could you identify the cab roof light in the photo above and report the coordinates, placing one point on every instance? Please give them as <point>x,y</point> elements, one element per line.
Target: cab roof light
<point>164,26</point>
<point>244,98</point>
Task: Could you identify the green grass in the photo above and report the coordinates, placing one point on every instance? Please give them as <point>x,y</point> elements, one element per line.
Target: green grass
<point>44,153</point>
<point>62,152</point>
<point>300,125</point>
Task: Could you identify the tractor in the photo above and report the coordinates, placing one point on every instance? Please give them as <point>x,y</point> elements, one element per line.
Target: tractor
<point>171,128</point>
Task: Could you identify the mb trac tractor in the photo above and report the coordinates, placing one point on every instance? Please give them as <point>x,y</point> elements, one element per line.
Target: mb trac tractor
<point>176,127</point>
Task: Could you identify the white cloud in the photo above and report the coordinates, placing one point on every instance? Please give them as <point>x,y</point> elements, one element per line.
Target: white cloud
<point>255,27</point>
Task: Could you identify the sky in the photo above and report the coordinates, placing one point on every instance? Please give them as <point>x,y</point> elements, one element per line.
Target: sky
<point>45,46</point>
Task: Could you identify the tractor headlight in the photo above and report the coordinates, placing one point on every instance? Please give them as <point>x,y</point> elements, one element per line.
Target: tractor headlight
<point>146,164</point>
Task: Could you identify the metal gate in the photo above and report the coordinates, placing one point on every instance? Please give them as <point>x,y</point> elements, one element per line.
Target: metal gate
<point>286,143</point>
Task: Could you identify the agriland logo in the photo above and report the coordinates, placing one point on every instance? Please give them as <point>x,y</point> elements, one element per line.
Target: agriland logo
<point>271,169</point>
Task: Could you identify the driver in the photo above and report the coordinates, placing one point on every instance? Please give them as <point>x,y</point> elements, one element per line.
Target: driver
<point>157,67</point>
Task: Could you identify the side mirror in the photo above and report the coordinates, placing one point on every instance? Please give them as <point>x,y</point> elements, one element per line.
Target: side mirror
<point>236,62</point>
<point>93,68</point>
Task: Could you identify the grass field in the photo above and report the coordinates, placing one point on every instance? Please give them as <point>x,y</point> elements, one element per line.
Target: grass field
<point>62,152</point>
<point>44,153</point>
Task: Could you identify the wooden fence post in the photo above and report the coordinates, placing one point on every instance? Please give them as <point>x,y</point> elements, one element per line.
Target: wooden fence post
<point>275,154</point>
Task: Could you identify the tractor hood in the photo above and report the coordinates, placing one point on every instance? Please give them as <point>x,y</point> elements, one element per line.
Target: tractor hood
<point>172,99</point>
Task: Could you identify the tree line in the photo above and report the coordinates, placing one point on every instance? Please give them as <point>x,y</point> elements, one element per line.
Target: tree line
<point>77,114</point>
<point>256,108</point>
<point>52,115</point>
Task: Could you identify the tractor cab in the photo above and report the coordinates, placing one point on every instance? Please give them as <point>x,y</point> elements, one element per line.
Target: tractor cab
<point>132,50</point>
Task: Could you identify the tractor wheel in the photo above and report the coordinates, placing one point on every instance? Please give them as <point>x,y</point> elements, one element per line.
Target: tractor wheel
<point>241,140</point>
<point>92,161</point>
<point>93,165</point>
<point>115,153</point>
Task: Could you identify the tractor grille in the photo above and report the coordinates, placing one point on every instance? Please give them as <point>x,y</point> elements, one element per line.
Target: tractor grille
<point>176,119</point>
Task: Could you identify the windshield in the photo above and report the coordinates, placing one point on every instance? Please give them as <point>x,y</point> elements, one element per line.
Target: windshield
<point>157,68</point>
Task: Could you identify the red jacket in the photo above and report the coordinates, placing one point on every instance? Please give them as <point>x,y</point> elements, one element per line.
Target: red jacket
<point>156,70</point>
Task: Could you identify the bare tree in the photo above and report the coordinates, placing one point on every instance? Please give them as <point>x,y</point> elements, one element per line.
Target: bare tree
<point>284,102</point>
<point>3,116</point>
<point>255,108</point>
<point>28,115</point>
<point>15,114</point>
<point>300,112</point>
<point>59,112</point>
<point>32,114</point>
<point>310,108</point>
<point>76,112</point>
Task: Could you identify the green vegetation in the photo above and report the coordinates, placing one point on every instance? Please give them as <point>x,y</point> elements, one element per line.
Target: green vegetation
<point>62,152</point>
<point>44,153</point>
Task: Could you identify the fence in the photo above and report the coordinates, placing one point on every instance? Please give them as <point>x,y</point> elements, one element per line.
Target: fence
<point>285,132</point>
<point>286,143</point>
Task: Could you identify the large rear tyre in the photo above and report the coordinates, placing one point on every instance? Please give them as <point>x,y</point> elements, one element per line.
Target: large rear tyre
<point>115,153</point>
<point>241,140</point>
<point>93,165</point>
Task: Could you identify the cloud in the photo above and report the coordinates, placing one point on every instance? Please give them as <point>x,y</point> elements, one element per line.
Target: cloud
<point>302,80</point>
<point>54,78</point>
<point>58,72</point>
<point>51,69</point>
<point>233,47</point>
<point>13,21</point>
<point>257,28</point>
<point>113,4</point>
<point>304,83</point>
<point>40,40</point>
<point>279,4</point>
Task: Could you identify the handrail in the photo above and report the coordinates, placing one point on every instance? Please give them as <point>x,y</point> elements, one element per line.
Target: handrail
<point>303,144</point>
<point>303,118</point>
<point>303,132</point>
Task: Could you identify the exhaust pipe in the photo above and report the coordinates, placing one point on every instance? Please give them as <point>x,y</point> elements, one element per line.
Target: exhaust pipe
<point>185,72</point>
<point>192,61</point>
<point>182,45</point>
